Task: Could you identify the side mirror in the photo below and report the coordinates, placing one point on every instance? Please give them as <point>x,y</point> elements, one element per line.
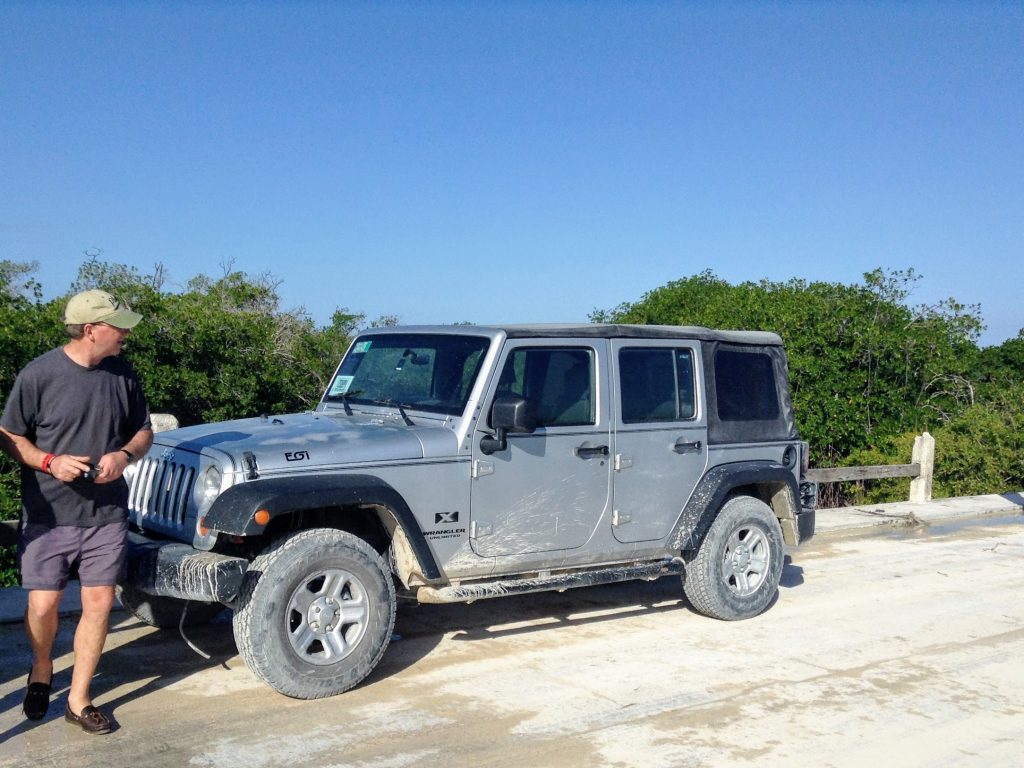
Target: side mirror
<point>508,414</point>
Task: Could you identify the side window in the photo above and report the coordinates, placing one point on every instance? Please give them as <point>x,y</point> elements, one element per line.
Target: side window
<point>745,386</point>
<point>559,383</point>
<point>656,384</point>
<point>685,385</point>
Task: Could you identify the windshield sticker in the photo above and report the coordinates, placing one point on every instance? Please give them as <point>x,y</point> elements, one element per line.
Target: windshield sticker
<point>362,347</point>
<point>341,385</point>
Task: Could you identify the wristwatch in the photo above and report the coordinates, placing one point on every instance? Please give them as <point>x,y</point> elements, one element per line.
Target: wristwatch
<point>131,457</point>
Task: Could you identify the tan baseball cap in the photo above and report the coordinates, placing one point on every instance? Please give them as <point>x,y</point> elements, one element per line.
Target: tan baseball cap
<point>99,307</point>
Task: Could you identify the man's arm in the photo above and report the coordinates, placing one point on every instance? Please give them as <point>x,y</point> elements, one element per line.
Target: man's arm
<point>64,467</point>
<point>21,449</point>
<point>6,445</point>
<point>112,465</point>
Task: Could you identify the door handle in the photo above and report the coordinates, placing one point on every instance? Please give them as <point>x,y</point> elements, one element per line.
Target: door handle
<point>587,451</point>
<point>682,446</point>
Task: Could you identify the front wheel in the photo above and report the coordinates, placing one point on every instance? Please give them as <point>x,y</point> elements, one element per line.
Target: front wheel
<point>735,572</point>
<point>315,613</point>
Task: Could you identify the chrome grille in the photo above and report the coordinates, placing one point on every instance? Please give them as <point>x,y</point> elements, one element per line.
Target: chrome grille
<point>160,492</point>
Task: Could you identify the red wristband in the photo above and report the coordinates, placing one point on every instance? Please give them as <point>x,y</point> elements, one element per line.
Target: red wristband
<point>47,461</point>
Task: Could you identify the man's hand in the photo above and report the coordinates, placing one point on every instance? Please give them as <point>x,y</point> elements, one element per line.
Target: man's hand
<point>112,466</point>
<point>67,468</point>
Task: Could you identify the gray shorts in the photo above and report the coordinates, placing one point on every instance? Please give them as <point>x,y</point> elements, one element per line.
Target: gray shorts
<point>48,557</point>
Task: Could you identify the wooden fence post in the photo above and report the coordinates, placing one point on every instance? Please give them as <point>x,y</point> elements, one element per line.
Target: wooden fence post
<point>924,454</point>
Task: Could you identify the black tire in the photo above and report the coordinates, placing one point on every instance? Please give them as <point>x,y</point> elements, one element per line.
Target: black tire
<point>315,614</point>
<point>735,572</point>
<point>165,612</point>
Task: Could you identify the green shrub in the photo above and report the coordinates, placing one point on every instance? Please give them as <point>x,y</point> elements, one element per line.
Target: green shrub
<point>982,450</point>
<point>8,568</point>
<point>10,507</point>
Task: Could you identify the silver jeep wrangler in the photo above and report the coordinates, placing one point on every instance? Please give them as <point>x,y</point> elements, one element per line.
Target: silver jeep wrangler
<point>457,463</point>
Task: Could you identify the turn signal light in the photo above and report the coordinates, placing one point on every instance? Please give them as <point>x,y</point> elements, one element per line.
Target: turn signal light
<point>262,517</point>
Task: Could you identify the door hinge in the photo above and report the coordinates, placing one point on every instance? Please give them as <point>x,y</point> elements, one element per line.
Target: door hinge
<point>482,468</point>
<point>622,462</point>
<point>477,530</point>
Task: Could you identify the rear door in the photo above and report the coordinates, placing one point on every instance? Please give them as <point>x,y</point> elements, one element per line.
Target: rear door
<point>660,441</point>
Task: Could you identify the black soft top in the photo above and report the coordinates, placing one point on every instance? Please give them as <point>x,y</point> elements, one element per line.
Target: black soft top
<point>593,331</point>
<point>616,330</point>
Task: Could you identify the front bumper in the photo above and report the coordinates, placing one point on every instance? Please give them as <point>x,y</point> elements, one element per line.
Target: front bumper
<point>174,569</point>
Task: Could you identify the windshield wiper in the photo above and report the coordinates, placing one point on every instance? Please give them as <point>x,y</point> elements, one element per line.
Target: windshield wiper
<point>343,397</point>
<point>401,409</point>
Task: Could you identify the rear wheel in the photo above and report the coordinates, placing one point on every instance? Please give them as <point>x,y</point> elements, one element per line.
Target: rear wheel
<point>316,613</point>
<point>735,572</point>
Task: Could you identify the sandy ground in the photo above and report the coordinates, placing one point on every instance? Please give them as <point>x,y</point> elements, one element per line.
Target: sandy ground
<point>896,650</point>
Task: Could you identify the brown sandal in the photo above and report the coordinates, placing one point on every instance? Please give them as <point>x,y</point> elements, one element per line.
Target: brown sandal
<point>91,720</point>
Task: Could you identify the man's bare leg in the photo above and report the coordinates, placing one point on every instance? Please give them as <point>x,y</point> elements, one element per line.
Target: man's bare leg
<point>41,625</point>
<point>90,636</point>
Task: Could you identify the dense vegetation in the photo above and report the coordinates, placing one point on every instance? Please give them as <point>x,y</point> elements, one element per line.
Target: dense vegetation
<point>868,370</point>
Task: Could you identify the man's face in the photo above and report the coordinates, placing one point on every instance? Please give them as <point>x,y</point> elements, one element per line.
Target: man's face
<point>107,338</point>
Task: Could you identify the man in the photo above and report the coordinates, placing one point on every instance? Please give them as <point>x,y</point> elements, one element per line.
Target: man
<point>74,419</point>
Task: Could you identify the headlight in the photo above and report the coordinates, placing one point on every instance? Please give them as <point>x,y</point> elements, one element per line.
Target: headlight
<point>211,485</point>
<point>208,491</point>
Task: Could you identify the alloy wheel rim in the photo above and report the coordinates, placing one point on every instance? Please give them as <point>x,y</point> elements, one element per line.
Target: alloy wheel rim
<point>327,616</point>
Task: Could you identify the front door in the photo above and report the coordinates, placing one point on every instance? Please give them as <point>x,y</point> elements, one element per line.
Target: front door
<point>548,490</point>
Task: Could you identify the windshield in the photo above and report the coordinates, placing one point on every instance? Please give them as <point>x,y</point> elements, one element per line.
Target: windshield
<point>428,372</point>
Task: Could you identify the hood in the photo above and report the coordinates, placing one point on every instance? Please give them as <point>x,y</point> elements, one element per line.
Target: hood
<point>307,440</point>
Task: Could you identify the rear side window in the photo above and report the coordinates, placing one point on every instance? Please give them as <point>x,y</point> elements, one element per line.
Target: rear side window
<point>656,384</point>
<point>745,386</point>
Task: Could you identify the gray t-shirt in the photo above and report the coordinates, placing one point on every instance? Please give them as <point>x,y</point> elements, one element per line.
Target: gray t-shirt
<point>66,408</point>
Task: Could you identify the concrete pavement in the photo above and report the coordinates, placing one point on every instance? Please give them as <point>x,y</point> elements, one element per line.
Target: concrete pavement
<point>846,520</point>
<point>830,522</point>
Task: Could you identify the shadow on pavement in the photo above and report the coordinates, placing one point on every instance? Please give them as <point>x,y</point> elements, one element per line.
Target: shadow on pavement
<point>539,612</point>
<point>1015,498</point>
<point>159,657</point>
<point>792,575</point>
<point>156,659</point>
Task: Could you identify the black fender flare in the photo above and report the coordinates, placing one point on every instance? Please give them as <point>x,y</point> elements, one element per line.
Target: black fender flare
<point>714,488</point>
<point>233,511</point>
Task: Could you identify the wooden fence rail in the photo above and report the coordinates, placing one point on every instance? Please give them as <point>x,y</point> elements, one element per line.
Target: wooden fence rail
<point>875,472</point>
<point>921,469</point>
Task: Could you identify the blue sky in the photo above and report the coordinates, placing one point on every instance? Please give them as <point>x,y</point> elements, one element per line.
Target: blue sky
<point>518,161</point>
